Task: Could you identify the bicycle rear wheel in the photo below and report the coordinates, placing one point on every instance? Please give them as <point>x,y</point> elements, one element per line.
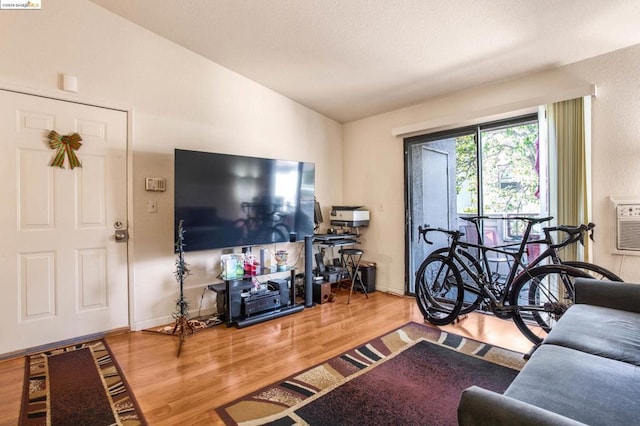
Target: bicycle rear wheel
<point>595,271</point>
<point>472,293</point>
<point>541,295</point>
<point>439,290</point>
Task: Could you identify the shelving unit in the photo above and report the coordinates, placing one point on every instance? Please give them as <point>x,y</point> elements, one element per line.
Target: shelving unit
<point>233,308</point>
<point>322,289</point>
<point>244,306</point>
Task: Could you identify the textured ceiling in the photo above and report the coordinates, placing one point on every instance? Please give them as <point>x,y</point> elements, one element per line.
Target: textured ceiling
<point>350,59</point>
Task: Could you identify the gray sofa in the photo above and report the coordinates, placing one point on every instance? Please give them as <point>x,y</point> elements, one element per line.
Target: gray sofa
<point>586,371</point>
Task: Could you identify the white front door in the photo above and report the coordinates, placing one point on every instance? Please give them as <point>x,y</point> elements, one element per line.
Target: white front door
<point>63,275</point>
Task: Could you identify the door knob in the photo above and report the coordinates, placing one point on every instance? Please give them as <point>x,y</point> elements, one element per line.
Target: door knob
<point>122,235</point>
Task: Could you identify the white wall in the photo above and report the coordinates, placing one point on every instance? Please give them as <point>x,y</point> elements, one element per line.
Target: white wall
<point>374,168</point>
<point>178,100</point>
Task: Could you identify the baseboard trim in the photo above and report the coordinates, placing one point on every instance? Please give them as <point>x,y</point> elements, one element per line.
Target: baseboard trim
<point>62,343</point>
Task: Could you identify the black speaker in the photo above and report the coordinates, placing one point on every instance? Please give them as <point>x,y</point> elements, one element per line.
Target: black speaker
<point>236,288</point>
<point>236,305</point>
<point>320,262</point>
<point>321,292</point>
<point>285,295</point>
<point>308,267</point>
<point>221,304</point>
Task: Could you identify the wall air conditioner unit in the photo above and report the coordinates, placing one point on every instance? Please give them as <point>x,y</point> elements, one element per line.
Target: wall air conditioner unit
<point>627,225</point>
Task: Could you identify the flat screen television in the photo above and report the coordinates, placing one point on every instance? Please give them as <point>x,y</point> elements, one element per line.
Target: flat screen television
<point>236,201</point>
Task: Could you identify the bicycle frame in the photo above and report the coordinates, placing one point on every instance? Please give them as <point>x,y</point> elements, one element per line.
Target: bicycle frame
<point>574,234</point>
<point>485,282</point>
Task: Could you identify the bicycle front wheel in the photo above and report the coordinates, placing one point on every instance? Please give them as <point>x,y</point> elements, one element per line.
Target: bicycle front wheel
<point>595,271</point>
<point>439,290</point>
<point>541,295</point>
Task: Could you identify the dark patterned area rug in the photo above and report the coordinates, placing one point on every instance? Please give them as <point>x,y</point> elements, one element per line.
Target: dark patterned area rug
<point>411,376</point>
<point>77,385</point>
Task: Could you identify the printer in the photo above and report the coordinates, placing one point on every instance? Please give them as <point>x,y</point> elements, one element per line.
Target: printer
<point>351,216</point>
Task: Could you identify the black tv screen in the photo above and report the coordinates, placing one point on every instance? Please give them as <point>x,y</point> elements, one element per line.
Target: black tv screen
<point>235,201</point>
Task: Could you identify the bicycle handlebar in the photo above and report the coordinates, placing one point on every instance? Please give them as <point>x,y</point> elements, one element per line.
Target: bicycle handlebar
<point>422,232</point>
<point>574,233</point>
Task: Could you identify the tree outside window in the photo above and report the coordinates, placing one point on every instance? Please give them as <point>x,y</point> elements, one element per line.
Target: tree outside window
<point>509,171</point>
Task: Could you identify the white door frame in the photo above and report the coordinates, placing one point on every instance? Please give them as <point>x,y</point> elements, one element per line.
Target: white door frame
<point>62,96</point>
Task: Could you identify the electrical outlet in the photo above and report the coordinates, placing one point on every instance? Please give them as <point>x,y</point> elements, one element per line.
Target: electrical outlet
<point>152,206</point>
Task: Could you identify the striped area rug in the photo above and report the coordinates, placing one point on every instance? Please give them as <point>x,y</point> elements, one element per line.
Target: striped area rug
<point>77,385</point>
<point>413,375</point>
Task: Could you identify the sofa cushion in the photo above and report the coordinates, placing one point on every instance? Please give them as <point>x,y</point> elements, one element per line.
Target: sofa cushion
<point>482,407</point>
<point>605,332</point>
<point>581,386</point>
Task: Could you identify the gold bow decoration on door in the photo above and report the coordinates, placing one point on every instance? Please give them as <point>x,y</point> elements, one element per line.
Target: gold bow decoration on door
<point>66,146</point>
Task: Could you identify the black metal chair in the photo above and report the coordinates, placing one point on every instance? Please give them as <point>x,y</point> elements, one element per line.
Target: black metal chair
<point>350,260</point>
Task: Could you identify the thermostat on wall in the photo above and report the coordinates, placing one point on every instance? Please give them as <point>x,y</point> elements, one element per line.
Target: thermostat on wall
<point>155,184</point>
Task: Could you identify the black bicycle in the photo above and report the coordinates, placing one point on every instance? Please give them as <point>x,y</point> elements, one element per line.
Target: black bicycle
<point>451,281</point>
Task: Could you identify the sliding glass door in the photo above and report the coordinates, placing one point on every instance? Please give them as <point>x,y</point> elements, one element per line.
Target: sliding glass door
<point>491,169</point>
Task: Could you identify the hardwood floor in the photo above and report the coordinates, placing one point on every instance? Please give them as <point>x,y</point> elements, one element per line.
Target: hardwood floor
<point>221,364</point>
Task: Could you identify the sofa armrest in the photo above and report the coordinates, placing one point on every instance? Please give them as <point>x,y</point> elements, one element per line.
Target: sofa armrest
<point>482,407</point>
<point>608,294</point>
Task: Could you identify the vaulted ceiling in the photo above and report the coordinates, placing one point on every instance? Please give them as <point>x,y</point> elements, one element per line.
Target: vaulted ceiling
<point>350,59</point>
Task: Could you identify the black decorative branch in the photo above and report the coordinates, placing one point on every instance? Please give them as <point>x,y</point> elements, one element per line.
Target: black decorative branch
<point>181,273</point>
